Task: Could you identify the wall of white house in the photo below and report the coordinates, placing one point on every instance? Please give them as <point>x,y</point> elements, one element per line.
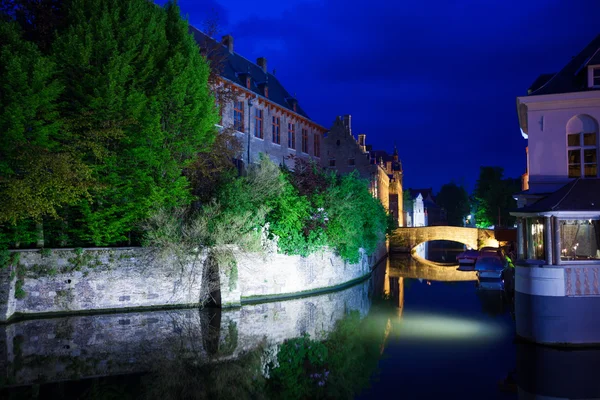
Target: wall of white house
<point>547,120</point>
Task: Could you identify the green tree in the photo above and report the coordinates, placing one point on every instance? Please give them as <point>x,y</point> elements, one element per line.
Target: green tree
<point>493,198</point>
<point>133,66</point>
<point>455,200</point>
<point>40,171</point>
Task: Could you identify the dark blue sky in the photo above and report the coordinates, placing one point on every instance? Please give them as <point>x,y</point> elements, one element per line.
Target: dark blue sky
<point>439,77</point>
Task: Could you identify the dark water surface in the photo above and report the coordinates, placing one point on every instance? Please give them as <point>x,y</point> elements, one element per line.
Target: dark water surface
<point>390,335</point>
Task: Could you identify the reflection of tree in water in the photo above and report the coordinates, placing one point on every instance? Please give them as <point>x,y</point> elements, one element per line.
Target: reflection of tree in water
<point>197,364</point>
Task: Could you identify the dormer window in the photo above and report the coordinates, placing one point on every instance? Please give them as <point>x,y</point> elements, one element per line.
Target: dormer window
<point>266,91</point>
<point>247,82</point>
<point>594,76</point>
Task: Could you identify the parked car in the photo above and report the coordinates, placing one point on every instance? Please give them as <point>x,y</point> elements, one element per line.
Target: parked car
<point>466,260</point>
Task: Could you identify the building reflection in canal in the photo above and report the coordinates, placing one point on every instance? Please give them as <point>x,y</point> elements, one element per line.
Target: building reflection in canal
<point>235,353</point>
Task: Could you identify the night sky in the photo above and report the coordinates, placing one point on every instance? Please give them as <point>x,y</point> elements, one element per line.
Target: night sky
<point>438,78</point>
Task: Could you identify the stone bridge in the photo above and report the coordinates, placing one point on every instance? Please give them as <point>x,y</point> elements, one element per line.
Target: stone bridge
<point>406,239</point>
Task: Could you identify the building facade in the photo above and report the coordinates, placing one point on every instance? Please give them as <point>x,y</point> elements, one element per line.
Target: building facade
<point>263,115</point>
<point>556,286</point>
<point>344,153</point>
<point>422,210</point>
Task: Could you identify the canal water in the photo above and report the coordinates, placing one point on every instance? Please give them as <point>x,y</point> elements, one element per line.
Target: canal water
<point>415,336</point>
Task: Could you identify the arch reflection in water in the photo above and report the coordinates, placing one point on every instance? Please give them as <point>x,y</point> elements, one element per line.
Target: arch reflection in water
<point>552,373</point>
<point>401,270</point>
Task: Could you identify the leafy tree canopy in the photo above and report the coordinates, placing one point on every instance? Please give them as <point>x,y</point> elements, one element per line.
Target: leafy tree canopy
<point>455,200</point>
<point>493,198</point>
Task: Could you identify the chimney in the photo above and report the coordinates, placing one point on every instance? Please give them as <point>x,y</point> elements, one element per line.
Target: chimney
<point>227,40</point>
<point>362,138</point>
<point>347,123</point>
<point>262,63</point>
<point>362,142</point>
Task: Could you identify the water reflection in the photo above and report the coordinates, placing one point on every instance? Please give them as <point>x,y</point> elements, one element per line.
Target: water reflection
<point>386,332</point>
<point>545,372</point>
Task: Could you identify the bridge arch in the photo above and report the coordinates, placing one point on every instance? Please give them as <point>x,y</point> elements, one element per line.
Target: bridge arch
<point>406,239</point>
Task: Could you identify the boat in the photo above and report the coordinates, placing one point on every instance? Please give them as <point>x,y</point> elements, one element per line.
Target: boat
<point>466,260</point>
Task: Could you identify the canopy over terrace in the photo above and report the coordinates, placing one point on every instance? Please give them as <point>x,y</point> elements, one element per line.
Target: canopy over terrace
<point>563,227</point>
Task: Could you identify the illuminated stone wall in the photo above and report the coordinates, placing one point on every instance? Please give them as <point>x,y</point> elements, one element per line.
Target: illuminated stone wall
<point>129,278</point>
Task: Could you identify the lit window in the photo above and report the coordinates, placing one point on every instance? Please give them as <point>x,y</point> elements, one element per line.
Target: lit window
<point>238,116</point>
<point>582,155</point>
<point>248,82</point>
<point>258,123</point>
<point>580,239</point>
<point>317,148</point>
<point>305,140</point>
<point>332,162</point>
<point>292,135</point>
<point>276,131</point>
<point>535,238</point>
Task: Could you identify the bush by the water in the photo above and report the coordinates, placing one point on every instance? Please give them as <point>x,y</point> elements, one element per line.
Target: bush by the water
<point>272,205</point>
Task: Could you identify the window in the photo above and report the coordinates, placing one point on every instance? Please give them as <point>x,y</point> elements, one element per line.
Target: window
<point>317,148</point>
<point>292,135</point>
<point>332,162</point>
<point>579,239</point>
<point>351,162</point>
<point>535,238</point>
<point>594,76</point>
<point>582,155</point>
<point>248,82</point>
<point>258,123</point>
<point>238,116</point>
<point>276,131</point>
<point>305,140</point>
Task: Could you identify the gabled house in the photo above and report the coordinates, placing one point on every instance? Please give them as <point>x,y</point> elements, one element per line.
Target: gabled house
<point>558,219</point>
<point>344,153</point>
<point>265,117</point>
<point>422,210</point>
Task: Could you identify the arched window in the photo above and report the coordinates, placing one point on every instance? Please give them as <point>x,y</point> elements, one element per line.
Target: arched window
<point>582,146</point>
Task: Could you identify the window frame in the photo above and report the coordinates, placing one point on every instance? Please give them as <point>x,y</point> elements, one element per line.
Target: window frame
<point>561,221</point>
<point>304,140</point>
<point>258,123</point>
<point>581,148</point>
<point>591,70</point>
<point>317,145</point>
<point>292,135</point>
<point>238,116</point>
<point>276,129</point>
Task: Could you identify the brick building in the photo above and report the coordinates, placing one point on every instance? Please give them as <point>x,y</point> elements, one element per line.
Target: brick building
<point>265,117</point>
<point>344,153</point>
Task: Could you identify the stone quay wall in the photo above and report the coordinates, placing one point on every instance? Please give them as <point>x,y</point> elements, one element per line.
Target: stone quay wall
<point>101,279</point>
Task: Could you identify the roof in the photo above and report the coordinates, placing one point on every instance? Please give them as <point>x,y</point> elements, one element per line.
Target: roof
<point>414,193</point>
<point>236,67</point>
<point>539,82</point>
<point>578,195</point>
<point>573,76</point>
<point>377,155</point>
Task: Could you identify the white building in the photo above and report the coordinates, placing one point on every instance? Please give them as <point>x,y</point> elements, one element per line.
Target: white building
<point>557,286</point>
